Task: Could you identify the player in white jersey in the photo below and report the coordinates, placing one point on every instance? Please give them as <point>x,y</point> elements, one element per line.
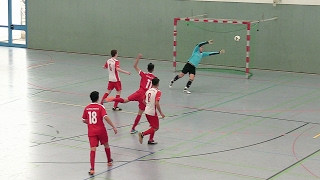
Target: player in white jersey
<point>113,66</point>
<point>152,99</point>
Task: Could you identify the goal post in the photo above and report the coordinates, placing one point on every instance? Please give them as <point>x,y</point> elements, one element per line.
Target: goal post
<point>246,27</point>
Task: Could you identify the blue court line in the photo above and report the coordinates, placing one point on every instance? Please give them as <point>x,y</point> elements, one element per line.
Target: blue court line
<point>119,166</point>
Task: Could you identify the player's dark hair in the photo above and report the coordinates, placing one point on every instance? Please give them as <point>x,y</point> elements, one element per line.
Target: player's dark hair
<point>113,52</point>
<point>94,96</point>
<point>155,81</point>
<point>150,67</point>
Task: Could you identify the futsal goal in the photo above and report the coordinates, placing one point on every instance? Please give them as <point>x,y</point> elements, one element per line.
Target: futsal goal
<point>238,58</point>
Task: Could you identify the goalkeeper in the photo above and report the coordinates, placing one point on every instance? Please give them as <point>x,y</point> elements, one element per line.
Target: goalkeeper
<point>193,62</point>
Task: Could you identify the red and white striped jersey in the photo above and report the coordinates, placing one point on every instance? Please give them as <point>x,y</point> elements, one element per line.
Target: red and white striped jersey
<point>152,95</point>
<point>112,65</point>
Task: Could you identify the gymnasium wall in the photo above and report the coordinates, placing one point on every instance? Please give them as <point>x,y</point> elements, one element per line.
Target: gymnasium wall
<point>290,43</point>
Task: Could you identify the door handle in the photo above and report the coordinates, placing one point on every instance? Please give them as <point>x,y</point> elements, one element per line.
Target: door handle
<point>11,26</point>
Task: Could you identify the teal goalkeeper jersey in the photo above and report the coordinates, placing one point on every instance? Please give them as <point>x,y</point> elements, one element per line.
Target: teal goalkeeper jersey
<point>197,55</point>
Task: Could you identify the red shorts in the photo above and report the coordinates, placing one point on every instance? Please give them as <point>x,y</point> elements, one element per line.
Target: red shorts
<point>138,96</point>
<point>153,121</point>
<point>94,140</point>
<point>115,85</point>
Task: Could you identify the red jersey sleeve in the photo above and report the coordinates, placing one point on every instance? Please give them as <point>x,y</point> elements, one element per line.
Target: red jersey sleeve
<point>117,64</point>
<point>106,65</point>
<point>103,112</point>
<point>142,74</point>
<point>158,95</point>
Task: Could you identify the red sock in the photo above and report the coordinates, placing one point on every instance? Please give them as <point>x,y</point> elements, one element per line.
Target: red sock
<point>149,131</point>
<point>151,136</point>
<point>108,153</point>
<point>104,96</point>
<point>115,102</point>
<point>119,99</point>
<point>92,158</point>
<point>136,122</point>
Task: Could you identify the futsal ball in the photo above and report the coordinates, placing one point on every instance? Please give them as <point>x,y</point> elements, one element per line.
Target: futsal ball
<point>237,38</point>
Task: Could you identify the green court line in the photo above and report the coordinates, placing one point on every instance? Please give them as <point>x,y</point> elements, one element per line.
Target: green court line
<point>230,95</point>
<point>219,128</point>
<point>211,170</point>
<point>282,77</point>
<point>284,103</point>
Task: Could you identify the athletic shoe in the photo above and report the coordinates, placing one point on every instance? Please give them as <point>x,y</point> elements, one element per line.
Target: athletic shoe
<point>91,172</point>
<point>140,137</point>
<point>186,90</point>
<point>171,83</point>
<point>110,162</point>
<point>133,131</point>
<point>116,109</point>
<point>152,142</point>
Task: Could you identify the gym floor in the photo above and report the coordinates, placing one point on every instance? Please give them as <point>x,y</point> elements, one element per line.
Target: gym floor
<point>230,127</point>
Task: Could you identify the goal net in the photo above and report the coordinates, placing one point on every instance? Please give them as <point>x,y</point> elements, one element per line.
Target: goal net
<point>239,56</point>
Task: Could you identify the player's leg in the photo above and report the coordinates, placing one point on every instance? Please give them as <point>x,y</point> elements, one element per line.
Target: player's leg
<point>109,89</point>
<point>150,131</point>
<point>118,89</point>
<point>104,141</point>
<point>192,73</point>
<point>121,100</point>
<point>154,122</point>
<point>94,142</point>
<point>180,75</point>
<point>137,96</point>
<point>133,97</point>
<point>136,121</point>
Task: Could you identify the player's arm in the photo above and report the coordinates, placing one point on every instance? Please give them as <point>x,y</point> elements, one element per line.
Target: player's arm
<point>204,54</point>
<point>123,71</point>
<point>158,95</point>
<point>85,121</point>
<point>110,123</point>
<point>159,108</point>
<point>85,117</point>
<point>119,69</point>
<point>201,44</point>
<point>135,65</point>
<point>105,65</point>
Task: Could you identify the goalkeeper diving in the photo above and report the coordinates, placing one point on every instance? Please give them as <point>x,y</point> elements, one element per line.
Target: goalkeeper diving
<point>192,64</point>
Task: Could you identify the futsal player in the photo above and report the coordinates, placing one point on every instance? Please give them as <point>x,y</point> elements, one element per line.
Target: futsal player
<point>145,84</point>
<point>113,66</point>
<point>152,98</point>
<point>93,116</point>
<point>193,62</point>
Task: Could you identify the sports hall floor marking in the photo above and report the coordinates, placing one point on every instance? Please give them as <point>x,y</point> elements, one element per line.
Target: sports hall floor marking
<point>316,136</point>
<point>289,102</point>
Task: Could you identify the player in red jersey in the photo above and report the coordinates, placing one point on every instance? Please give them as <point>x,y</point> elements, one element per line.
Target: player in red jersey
<point>145,84</point>
<point>152,98</point>
<point>113,66</point>
<point>93,116</point>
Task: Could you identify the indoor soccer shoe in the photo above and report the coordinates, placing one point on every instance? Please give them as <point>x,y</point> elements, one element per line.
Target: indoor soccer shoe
<point>171,83</point>
<point>116,109</point>
<point>140,137</point>
<point>152,142</point>
<point>186,91</point>
<point>133,131</point>
<point>110,162</point>
<point>91,172</point>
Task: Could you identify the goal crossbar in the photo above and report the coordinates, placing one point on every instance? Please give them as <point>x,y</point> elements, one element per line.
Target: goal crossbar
<point>213,20</point>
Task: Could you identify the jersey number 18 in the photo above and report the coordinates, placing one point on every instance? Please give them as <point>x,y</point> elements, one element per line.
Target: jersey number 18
<point>92,117</point>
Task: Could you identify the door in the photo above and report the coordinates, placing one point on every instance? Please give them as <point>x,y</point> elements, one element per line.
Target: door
<point>13,24</point>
